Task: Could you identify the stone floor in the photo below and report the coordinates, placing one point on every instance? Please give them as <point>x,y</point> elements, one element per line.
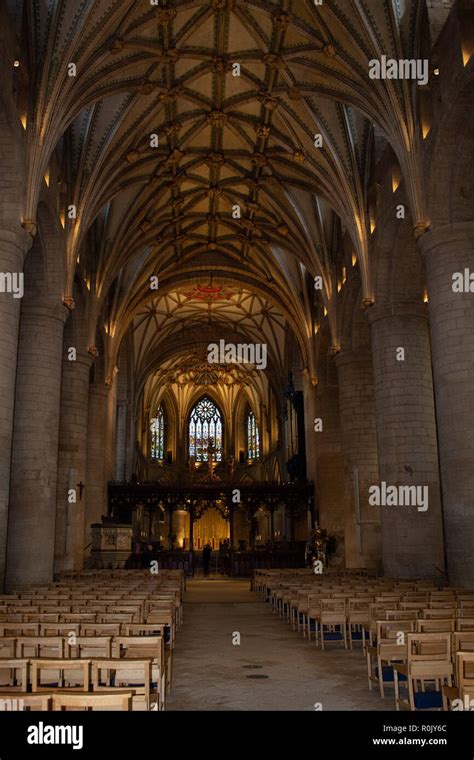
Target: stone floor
<point>210,672</point>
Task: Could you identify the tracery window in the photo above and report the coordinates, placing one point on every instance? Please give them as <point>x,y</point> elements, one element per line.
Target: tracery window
<point>158,435</point>
<point>205,431</point>
<point>253,437</point>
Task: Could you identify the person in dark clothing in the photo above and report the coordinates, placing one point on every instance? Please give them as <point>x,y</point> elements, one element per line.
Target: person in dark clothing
<point>224,552</point>
<point>206,558</point>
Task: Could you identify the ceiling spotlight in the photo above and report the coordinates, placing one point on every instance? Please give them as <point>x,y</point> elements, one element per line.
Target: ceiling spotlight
<point>16,63</point>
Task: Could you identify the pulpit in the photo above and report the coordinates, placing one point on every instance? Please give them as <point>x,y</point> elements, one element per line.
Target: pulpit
<point>111,544</point>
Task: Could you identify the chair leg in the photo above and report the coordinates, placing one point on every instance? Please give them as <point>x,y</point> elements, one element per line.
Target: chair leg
<point>397,695</point>
<point>380,675</point>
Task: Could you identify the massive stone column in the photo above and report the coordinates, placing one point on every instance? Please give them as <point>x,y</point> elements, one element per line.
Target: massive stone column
<point>96,470</point>
<point>406,434</point>
<point>448,254</point>
<point>72,461</point>
<point>326,446</point>
<point>14,244</point>
<point>31,528</point>
<point>359,449</point>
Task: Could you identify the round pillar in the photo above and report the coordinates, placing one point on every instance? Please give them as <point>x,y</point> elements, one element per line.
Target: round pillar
<point>72,461</point>
<point>14,244</point>
<point>359,448</point>
<point>412,536</point>
<point>31,529</point>
<point>96,469</point>
<point>448,254</point>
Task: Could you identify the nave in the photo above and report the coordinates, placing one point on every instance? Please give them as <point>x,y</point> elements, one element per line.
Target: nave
<point>271,669</point>
<point>131,640</point>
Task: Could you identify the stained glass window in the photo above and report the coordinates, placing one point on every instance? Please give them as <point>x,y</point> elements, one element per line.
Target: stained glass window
<point>205,431</point>
<point>157,426</point>
<point>253,437</point>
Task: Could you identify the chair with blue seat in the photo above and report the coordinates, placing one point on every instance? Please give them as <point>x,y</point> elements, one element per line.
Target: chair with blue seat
<point>429,665</point>
<point>311,610</point>
<point>331,622</point>
<point>390,648</point>
<point>358,616</point>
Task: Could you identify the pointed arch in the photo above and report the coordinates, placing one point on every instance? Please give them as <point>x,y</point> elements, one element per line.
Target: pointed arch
<point>205,430</point>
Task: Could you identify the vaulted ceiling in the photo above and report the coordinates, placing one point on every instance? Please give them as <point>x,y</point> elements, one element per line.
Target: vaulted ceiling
<point>191,128</point>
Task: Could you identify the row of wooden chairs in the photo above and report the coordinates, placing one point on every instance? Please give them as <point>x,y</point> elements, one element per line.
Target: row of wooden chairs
<point>89,637</point>
<point>414,634</point>
<point>65,700</point>
<point>142,675</point>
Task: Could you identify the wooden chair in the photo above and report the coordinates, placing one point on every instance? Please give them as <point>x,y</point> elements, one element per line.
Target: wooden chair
<point>6,617</point>
<point>465,624</point>
<point>61,629</point>
<point>463,691</point>
<point>139,647</point>
<point>411,606</point>
<point>19,629</point>
<point>434,626</point>
<point>311,610</point>
<point>41,618</point>
<point>8,647</point>
<point>101,629</point>
<point>465,612</point>
<point>165,618</point>
<point>128,673</point>
<point>332,614</point>
<point>462,641</point>
<point>14,674</point>
<point>79,617</point>
<point>439,613</point>
<point>24,701</point>
<point>376,612</point>
<point>428,662</point>
<point>40,646</point>
<point>410,614</point>
<point>89,647</point>
<point>115,617</point>
<point>66,670</point>
<point>358,616</point>
<point>391,647</point>
<point>117,699</point>
<point>144,629</point>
